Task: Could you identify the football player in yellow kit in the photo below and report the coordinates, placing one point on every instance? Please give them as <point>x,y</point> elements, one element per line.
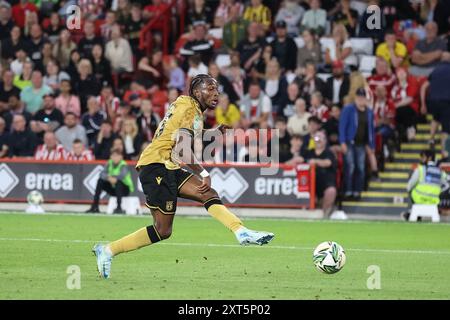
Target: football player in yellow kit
<point>164,180</point>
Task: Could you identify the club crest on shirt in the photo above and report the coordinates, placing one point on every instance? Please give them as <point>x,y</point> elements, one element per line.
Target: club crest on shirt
<point>198,122</point>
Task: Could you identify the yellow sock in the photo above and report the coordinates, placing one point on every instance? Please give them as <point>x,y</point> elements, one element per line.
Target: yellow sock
<point>141,238</point>
<point>225,216</point>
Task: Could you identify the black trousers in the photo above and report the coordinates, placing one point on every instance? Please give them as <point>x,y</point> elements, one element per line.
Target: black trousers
<point>118,190</point>
<point>405,117</point>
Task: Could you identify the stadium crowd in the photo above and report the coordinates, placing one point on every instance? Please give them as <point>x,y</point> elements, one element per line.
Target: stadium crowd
<point>338,90</point>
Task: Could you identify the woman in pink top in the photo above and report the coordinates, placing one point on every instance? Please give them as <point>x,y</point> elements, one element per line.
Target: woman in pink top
<point>66,101</point>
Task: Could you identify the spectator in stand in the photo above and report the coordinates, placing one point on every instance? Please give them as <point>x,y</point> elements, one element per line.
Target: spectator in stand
<point>298,122</point>
<point>250,49</point>
<point>314,125</point>
<point>157,11</point>
<point>406,99</point>
<point>147,121</point>
<point>284,139</point>
<point>133,27</point>
<point>104,141</point>
<point>227,113</point>
<point>287,101</point>
<point>71,131</point>
<point>18,64</point>
<point>331,128</point>
<point>326,167</point>
<point>383,77</point>
<point>92,9</point>
<point>50,149</point>
<point>260,66</point>
<point>357,80</point>
<point>225,12</point>
<point>4,139</point>
<point>66,101</point>
<point>284,48</point>
<point>116,180</point>
<point>35,45</point>
<point>7,89</point>
<point>53,30</point>
<point>62,48</point>
<point>54,76</point>
<point>225,85</point>
<point>196,67</point>
<point>6,21</point>
<point>30,19</point>
<point>346,16</point>
<point>20,10</point>
<point>151,71</point>
<point>259,13</point>
<point>90,39</point>
<point>291,13</point>
<point>391,50</point>
<point>235,30</point>
<point>437,99</point>
<point>15,106</point>
<point>176,75</point>
<point>85,85</point>
<point>118,52</point>
<point>48,118</point>
<point>385,114</point>
<point>72,69</point>
<point>354,136</point>
<point>22,141</point>
<point>337,86</point>
<point>106,28</point>
<point>92,120</point>
<point>10,45</point>
<point>310,52</point>
<point>131,138</point>
<point>199,11</point>
<point>295,150</point>
<point>428,52</point>
<point>79,152</point>
<point>200,43</point>
<point>309,82</point>
<point>108,102</point>
<point>317,108</point>
<point>33,95</point>
<point>340,48</point>
<point>256,106</point>
<point>315,18</point>
<point>101,67</point>
<point>235,74</point>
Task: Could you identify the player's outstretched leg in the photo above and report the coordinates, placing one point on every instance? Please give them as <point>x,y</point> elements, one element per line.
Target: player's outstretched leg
<point>215,208</point>
<point>160,230</point>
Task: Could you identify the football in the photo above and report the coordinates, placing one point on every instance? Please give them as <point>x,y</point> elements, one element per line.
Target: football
<point>329,257</point>
<point>35,198</point>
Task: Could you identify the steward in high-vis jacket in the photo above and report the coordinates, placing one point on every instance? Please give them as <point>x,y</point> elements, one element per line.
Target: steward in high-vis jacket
<point>115,179</point>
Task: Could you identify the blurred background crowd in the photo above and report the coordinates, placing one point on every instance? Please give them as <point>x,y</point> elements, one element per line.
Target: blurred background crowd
<point>330,75</point>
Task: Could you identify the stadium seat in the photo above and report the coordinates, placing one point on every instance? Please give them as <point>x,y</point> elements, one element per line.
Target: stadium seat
<point>362,46</point>
<point>367,63</point>
<point>424,210</point>
<point>132,205</point>
<point>359,6</point>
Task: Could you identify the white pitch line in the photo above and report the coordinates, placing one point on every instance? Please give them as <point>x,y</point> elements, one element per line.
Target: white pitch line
<point>187,244</point>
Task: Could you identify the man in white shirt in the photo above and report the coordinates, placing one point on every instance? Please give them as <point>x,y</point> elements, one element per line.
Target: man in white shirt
<point>315,18</point>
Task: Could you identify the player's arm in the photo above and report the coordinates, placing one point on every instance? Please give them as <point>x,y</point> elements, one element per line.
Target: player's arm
<point>183,154</point>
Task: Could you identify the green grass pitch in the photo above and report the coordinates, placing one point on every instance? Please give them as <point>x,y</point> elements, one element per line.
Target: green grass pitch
<point>203,261</point>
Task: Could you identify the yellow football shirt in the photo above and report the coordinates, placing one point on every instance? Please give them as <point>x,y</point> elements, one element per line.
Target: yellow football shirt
<point>383,51</point>
<point>183,113</point>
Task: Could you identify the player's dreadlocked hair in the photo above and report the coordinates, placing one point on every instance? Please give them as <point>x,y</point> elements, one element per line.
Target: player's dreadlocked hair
<point>196,81</point>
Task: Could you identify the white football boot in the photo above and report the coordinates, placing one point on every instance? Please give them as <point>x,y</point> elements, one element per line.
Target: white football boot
<point>246,236</point>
